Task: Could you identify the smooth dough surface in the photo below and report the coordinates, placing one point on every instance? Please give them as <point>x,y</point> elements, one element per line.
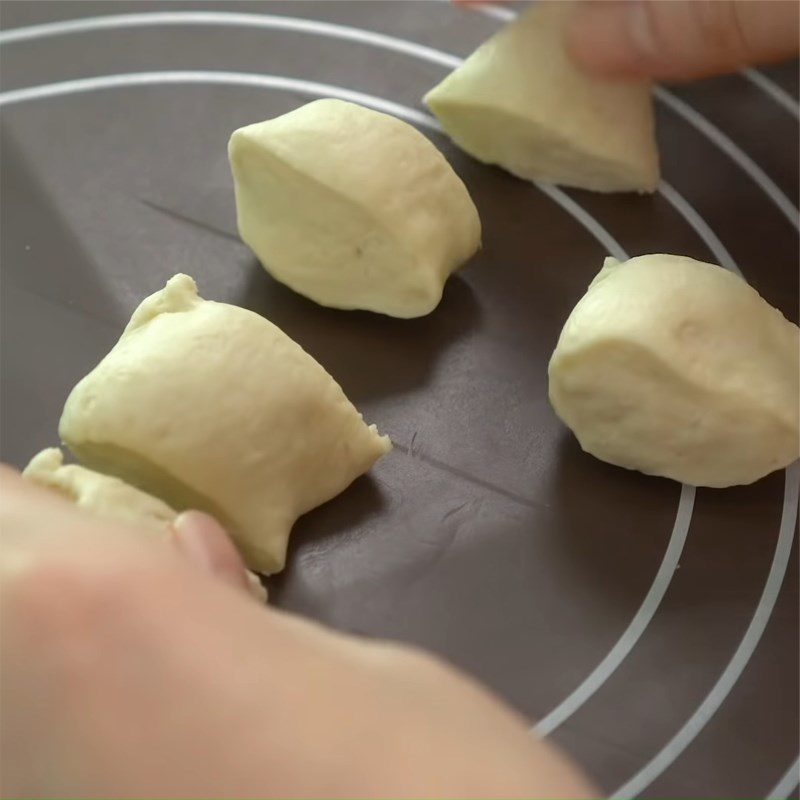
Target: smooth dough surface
<point>679,368</point>
<point>110,498</point>
<point>520,102</point>
<point>210,406</point>
<point>352,208</point>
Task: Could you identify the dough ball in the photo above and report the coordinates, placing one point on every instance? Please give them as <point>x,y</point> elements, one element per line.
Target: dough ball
<point>352,208</point>
<point>110,498</point>
<point>678,368</point>
<point>520,102</point>
<point>210,406</point>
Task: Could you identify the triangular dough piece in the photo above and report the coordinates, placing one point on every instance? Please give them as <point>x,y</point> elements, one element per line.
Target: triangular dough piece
<point>210,406</point>
<point>679,368</point>
<point>352,208</point>
<point>520,102</point>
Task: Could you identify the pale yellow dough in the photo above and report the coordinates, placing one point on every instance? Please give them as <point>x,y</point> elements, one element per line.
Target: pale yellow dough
<point>101,494</point>
<point>679,368</point>
<point>352,208</point>
<point>110,498</point>
<point>210,406</point>
<point>520,102</point>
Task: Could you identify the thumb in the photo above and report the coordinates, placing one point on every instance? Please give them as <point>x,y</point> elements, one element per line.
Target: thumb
<point>681,39</point>
<point>204,542</point>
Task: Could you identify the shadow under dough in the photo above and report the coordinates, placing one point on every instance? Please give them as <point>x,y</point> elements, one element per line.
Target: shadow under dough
<point>322,529</point>
<point>370,355</point>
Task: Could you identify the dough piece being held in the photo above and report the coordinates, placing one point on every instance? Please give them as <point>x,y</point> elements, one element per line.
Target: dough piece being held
<point>109,498</point>
<point>101,494</point>
<point>520,102</point>
<point>679,368</point>
<point>210,406</point>
<point>352,208</point>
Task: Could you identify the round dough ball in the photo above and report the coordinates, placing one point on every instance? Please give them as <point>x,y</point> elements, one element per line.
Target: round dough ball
<point>352,208</point>
<point>678,368</point>
<point>110,498</point>
<point>210,406</point>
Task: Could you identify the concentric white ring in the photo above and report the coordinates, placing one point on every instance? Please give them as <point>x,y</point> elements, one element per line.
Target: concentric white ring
<point>677,105</point>
<point>669,563</point>
<point>603,671</point>
<point>733,151</point>
<point>741,657</point>
<point>787,782</point>
<point>680,529</point>
<point>763,611</point>
<point>385,42</point>
<point>777,93</point>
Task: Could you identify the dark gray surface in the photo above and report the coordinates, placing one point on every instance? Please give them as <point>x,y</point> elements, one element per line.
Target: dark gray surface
<point>486,535</point>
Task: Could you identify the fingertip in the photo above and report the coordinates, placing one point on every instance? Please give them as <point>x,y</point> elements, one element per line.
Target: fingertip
<point>195,535</point>
<point>679,40</point>
<point>206,544</point>
<point>618,40</point>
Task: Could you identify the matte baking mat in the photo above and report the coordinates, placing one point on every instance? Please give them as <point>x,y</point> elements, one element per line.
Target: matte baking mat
<point>651,629</point>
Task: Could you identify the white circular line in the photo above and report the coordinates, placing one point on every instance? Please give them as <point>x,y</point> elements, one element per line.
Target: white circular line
<point>733,151</point>
<point>224,18</point>
<point>743,653</point>
<point>732,672</point>
<point>612,246</point>
<point>502,13</point>
<point>315,27</point>
<point>680,529</point>
<point>297,85</point>
<point>689,213</point>
<point>783,788</point>
<point>654,596</point>
<point>385,42</point>
<point>639,623</point>
<point>697,222</point>
<point>683,516</point>
<point>777,93</point>
<point>81,85</point>
<point>679,106</point>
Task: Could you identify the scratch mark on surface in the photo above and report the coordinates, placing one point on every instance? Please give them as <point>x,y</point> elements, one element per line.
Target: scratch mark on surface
<point>176,215</point>
<point>473,479</point>
<point>455,510</point>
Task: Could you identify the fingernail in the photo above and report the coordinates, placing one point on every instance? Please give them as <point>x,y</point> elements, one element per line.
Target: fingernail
<point>204,542</point>
<point>190,538</point>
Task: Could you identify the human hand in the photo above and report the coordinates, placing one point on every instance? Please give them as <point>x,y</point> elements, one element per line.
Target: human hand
<point>128,672</point>
<point>681,39</point>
